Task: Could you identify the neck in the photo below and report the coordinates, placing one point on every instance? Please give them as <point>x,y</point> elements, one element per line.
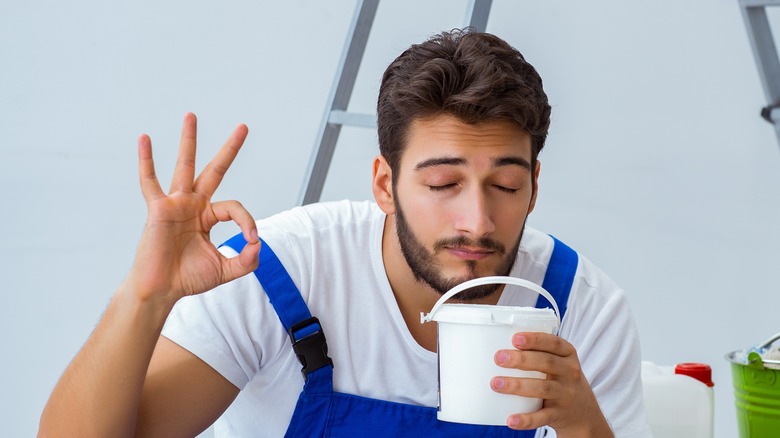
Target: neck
<point>412,296</point>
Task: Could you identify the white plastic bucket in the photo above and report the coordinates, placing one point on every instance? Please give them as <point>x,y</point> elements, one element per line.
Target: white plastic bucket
<point>469,335</point>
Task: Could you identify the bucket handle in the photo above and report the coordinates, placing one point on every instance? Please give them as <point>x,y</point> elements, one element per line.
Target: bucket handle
<point>496,279</point>
<point>768,343</point>
<point>756,361</point>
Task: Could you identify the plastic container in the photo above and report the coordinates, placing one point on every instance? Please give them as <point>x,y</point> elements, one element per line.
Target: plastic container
<point>679,400</point>
<point>756,395</point>
<point>469,335</point>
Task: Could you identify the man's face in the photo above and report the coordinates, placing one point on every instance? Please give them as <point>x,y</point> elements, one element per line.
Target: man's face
<point>461,197</point>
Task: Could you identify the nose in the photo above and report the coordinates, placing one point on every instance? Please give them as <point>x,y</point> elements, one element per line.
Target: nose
<point>474,216</point>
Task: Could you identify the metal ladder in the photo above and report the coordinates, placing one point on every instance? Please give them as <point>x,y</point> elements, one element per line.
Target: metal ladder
<point>336,114</point>
<point>765,52</point>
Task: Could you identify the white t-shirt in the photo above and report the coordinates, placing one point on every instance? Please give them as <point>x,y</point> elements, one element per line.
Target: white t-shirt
<point>333,253</point>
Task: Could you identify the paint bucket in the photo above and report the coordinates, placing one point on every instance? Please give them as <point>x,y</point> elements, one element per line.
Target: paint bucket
<point>756,394</point>
<point>469,335</point>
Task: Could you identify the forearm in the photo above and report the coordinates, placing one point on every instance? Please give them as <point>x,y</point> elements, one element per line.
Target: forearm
<point>99,392</point>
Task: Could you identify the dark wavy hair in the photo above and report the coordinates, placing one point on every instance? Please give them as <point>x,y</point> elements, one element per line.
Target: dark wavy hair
<point>474,76</point>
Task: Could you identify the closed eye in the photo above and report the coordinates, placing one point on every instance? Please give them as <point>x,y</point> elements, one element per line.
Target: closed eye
<point>442,187</point>
<point>506,189</point>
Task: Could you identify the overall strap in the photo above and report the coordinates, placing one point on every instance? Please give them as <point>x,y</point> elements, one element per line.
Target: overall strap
<point>559,276</point>
<point>305,331</point>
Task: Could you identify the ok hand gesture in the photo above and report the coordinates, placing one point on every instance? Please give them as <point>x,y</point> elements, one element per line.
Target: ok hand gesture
<point>175,256</point>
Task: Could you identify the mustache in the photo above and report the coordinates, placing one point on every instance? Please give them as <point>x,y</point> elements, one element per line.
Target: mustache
<point>485,243</point>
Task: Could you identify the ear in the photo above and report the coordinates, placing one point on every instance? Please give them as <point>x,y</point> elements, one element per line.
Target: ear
<point>535,186</point>
<point>382,185</point>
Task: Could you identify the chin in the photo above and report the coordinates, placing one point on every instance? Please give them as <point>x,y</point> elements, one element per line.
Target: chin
<point>469,273</point>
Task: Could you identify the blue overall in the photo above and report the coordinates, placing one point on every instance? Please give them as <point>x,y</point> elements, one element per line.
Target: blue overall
<point>321,412</point>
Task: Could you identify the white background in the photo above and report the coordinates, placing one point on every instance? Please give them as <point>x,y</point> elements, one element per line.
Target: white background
<point>658,167</point>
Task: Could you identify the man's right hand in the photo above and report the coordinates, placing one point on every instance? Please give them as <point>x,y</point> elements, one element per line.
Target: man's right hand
<point>128,380</point>
<point>175,256</point>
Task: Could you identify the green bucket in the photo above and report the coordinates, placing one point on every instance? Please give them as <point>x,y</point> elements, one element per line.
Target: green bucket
<point>757,395</point>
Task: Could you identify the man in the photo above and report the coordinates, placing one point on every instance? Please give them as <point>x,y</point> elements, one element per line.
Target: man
<point>461,120</point>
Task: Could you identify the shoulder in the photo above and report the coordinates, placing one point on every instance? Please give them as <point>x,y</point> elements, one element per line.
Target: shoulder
<point>318,241</point>
<point>593,291</point>
<point>321,226</point>
<point>315,218</point>
<point>536,251</point>
<point>597,307</point>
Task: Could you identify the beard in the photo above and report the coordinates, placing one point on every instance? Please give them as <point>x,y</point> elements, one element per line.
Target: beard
<point>427,270</point>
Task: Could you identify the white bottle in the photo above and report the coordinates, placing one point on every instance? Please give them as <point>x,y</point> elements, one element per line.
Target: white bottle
<point>679,400</point>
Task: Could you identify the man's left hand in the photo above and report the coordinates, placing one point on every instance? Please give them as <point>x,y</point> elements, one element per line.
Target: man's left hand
<point>570,407</point>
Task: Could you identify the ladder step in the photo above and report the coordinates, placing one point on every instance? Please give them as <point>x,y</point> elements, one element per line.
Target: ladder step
<point>344,118</point>
<point>759,3</point>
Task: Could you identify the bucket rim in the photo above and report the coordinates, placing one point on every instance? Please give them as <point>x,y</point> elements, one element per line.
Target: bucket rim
<point>750,363</point>
<point>730,357</point>
<point>494,315</point>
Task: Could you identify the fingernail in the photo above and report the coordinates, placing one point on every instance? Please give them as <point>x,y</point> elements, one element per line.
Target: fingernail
<point>498,383</point>
<point>514,422</point>
<point>519,341</point>
<point>502,358</point>
<point>254,234</point>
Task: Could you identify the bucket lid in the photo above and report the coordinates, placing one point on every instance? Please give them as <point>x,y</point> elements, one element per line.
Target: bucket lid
<point>491,280</point>
<point>484,314</point>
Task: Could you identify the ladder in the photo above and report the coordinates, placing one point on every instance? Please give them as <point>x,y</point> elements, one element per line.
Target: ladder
<point>765,53</point>
<point>336,114</point>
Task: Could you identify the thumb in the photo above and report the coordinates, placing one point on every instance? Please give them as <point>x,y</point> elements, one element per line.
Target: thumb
<point>246,262</point>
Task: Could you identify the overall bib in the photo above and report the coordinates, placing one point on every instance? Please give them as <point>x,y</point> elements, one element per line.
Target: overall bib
<point>321,412</point>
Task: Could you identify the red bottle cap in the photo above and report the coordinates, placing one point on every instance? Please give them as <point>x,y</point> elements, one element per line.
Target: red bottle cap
<point>699,371</point>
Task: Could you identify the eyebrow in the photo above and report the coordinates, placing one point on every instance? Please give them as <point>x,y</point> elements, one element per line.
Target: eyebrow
<point>441,161</point>
<point>455,161</point>
<point>511,160</point>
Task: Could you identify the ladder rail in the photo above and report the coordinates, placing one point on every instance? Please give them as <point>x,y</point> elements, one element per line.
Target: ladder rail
<point>477,13</point>
<point>764,49</point>
<point>348,67</point>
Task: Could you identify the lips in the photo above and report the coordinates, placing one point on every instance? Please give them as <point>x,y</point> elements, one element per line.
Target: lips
<point>469,253</point>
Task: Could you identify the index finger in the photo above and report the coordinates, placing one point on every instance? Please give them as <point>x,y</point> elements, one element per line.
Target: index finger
<point>539,341</point>
<point>208,180</point>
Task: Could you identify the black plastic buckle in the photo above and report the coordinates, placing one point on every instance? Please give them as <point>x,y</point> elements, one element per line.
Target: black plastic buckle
<point>312,349</point>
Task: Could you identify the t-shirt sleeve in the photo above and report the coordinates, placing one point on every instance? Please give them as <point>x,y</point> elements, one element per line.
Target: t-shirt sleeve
<point>603,331</point>
<point>232,328</point>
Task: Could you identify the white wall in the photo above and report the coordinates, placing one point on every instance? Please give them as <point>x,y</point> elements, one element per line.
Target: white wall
<point>657,167</point>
